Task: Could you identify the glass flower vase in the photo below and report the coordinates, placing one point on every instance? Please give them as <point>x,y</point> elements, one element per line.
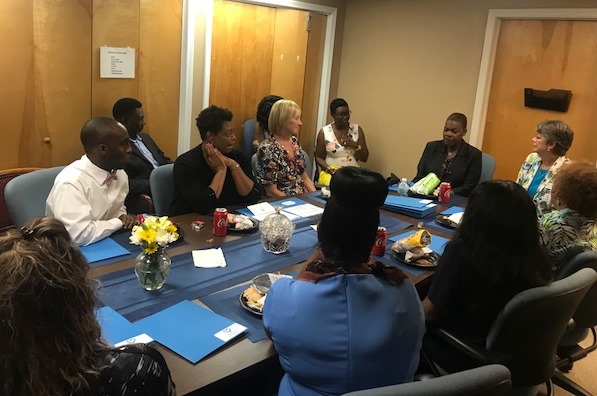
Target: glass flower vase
<point>153,269</point>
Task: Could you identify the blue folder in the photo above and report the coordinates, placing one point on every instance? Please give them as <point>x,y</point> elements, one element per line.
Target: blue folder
<point>103,249</point>
<point>452,210</point>
<point>115,327</point>
<point>187,329</point>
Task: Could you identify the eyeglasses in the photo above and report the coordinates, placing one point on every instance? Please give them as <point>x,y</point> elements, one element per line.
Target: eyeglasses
<point>343,115</point>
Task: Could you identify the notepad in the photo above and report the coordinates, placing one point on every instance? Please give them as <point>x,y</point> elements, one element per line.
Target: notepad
<point>102,250</point>
<point>189,330</point>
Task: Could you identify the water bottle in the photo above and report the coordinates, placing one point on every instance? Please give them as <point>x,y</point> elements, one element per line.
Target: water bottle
<point>403,187</point>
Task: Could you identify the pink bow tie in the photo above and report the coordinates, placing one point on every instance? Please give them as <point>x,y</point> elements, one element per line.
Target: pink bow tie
<point>111,176</point>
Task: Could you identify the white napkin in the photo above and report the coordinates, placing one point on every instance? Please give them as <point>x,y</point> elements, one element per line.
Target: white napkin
<point>209,258</point>
<point>456,217</point>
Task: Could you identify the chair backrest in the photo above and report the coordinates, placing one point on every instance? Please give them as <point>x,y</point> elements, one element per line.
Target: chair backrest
<point>161,183</point>
<point>526,333</point>
<point>7,175</point>
<point>491,380</point>
<point>308,164</point>
<point>487,167</point>
<point>586,313</point>
<point>249,136</point>
<point>26,194</point>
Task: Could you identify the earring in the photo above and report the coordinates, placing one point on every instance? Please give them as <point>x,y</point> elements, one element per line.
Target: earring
<point>548,149</point>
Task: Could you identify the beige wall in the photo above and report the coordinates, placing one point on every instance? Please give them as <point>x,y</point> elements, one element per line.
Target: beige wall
<point>407,64</point>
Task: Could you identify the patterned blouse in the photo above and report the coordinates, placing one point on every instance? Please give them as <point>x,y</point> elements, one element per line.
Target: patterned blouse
<point>274,166</point>
<point>133,370</point>
<point>526,173</point>
<point>565,233</point>
<point>336,153</point>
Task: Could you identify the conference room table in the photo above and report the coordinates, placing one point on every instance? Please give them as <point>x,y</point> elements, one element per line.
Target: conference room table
<point>241,357</point>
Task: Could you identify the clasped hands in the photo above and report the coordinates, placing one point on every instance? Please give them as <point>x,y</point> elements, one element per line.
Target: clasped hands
<point>349,143</point>
<point>215,159</point>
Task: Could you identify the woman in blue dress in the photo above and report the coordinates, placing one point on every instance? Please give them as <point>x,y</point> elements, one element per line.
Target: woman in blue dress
<point>347,323</point>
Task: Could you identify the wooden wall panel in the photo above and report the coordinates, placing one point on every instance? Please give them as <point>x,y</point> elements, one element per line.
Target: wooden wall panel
<point>313,66</point>
<point>290,52</point>
<point>159,70</point>
<point>62,37</point>
<point>242,45</point>
<point>115,24</point>
<point>541,55</point>
<point>16,70</point>
<point>44,73</point>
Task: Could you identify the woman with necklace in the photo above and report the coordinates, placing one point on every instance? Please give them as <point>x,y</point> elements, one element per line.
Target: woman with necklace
<point>452,159</point>
<point>340,143</point>
<point>281,163</point>
<point>550,144</point>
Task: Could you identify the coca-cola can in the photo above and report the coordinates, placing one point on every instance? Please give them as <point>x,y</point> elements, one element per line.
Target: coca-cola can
<point>220,222</point>
<point>379,248</point>
<point>445,190</point>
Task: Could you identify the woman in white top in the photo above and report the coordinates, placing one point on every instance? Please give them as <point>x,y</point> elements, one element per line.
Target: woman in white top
<point>340,143</point>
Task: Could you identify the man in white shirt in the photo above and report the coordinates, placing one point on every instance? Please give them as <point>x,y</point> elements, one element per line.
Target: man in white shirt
<point>88,195</point>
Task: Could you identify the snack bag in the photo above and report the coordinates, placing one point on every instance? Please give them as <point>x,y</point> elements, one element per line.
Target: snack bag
<point>326,177</point>
<point>418,240</point>
<point>426,185</point>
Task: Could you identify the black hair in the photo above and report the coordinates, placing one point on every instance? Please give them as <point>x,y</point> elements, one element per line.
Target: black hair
<point>263,109</point>
<point>211,120</point>
<point>95,131</point>
<point>349,222</point>
<point>500,232</point>
<point>458,117</point>
<point>125,107</point>
<point>338,102</point>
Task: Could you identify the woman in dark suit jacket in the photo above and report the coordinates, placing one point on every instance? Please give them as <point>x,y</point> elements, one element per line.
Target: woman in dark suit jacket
<point>452,159</point>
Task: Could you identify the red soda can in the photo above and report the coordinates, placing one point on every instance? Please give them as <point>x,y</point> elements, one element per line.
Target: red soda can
<point>220,222</point>
<point>379,248</point>
<point>445,190</point>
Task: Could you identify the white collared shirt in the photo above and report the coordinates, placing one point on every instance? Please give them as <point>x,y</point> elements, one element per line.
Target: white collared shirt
<point>88,208</point>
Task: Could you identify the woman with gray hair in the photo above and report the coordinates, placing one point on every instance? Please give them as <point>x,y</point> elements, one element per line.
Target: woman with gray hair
<point>550,144</point>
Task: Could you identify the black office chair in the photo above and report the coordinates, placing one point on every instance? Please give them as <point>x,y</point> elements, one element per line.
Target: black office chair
<point>491,380</point>
<point>524,337</point>
<point>583,322</point>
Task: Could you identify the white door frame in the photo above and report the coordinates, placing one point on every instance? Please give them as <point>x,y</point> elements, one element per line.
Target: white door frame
<point>492,32</point>
<point>190,9</point>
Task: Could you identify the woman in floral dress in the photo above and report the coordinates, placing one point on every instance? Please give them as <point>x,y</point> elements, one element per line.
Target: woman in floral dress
<point>281,163</point>
<point>572,227</point>
<point>340,143</point>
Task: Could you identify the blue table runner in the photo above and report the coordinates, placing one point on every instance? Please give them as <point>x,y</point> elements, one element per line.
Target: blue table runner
<point>245,260</point>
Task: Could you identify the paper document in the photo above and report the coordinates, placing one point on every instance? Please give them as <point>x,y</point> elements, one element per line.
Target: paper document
<point>305,210</point>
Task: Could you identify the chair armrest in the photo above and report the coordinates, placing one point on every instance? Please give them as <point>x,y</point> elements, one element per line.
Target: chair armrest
<point>478,354</point>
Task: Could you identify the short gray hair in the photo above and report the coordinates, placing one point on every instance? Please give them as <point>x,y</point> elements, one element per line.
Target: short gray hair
<point>556,132</point>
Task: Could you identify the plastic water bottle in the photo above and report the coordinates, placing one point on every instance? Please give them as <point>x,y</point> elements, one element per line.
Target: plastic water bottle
<point>403,187</point>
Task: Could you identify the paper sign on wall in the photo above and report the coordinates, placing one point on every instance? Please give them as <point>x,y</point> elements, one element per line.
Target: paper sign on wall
<point>117,62</point>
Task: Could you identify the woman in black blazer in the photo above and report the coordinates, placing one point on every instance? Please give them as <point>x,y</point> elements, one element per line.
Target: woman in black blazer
<point>452,159</point>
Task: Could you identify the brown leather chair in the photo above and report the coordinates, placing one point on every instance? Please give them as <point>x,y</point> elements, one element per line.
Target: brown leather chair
<point>7,175</point>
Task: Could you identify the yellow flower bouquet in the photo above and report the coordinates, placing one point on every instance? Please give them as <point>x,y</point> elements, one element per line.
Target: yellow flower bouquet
<point>153,264</point>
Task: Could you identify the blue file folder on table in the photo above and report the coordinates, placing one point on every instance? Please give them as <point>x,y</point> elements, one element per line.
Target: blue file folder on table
<point>414,207</point>
<point>189,330</point>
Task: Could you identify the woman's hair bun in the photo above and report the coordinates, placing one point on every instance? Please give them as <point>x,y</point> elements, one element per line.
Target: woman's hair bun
<point>358,187</point>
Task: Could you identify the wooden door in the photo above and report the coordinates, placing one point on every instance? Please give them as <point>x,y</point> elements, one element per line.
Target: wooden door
<point>45,72</point>
<point>256,51</point>
<point>541,54</point>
